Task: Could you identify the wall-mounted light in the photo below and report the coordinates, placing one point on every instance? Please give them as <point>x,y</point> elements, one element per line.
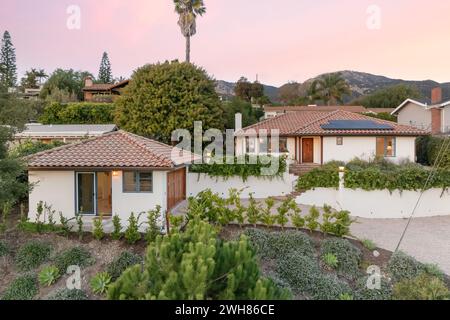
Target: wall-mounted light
<point>341,169</point>
<point>115,173</point>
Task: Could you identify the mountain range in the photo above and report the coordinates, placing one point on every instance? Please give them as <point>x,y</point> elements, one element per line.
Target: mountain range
<point>360,84</point>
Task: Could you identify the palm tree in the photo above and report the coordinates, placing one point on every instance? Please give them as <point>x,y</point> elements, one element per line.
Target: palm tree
<point>40,74</point>
<point>331,88</point>
<point>188,10</point>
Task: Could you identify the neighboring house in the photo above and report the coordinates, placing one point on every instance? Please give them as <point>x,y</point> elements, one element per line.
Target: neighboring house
<point>434,117</point>
<point>270,111</point>
<point>66,133</point>
<point>116,173</point>
<point>317,137</point>
<point>102,92</point>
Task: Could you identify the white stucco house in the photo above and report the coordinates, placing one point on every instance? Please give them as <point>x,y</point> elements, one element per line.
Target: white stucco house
<point>316,137</point>
<point>434,117</point>
<point>113,174</point>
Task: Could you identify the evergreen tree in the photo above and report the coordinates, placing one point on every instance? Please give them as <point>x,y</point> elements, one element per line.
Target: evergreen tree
<point>8,69</point>
<point>105,73</point>
<point>196,265</point>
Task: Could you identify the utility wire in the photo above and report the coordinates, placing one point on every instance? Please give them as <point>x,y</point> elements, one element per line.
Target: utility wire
<point>437,163</point>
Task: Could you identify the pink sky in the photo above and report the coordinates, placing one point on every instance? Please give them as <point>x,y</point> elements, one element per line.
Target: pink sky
<point>281,40</point>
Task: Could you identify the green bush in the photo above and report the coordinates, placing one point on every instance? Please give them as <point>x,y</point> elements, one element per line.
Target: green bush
<point>299,271</point>
<point>68,294</point>
<point>330,260</point>
<point>277,244</point>
<point>362,292</point>
<point>125,260</point>
<point>245,170</point>
<point>428,149</point>
<point>30,147</point>
<point>97,231</point>
<point>404,267</point>
<point>132,234</point>
<point>348,256</point>
<point>31,255</point>
<point>48,276</point>
<point>76,256</point>
<point>329,287</point>
<point>423,287</point>
<point>325,177</point>
<point>78,113</point>
<point>369,244</point>
<point>24,287</point>
<point>4,249</point>
<point>117,232</point>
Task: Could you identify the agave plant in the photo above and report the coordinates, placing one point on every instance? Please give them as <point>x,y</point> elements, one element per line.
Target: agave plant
<point>48,276</point>
<point>330,260</point>
<point>100,282</point>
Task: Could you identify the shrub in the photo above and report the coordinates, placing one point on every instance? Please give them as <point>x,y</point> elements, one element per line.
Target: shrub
<point>433,270</point>
<point>329,287</point>
<point>253,211</point>
<point>132,234</point>
<point>153,230</point>
<point>117,232</point>
<point>362,292</point>
<point>100,282</point>
<point>196,264</point>
<point>31,255</point>
<point>324,177</point>
<point>266,216</point>
<point>299,271</point>
<point>369,244</point>
<point>79,220</point>
<point>22,288</point>
<point>312,219</point>
<point>404,267</point>
<point>330,260</point>
<point>277,244</point>
<point>4,249</point>
<point>348,256</point>
<point>176,222</point>
<point>423,287</point>
<point>30,147</point>
<point>78,113</point>
<point>48,276</point>
<point>68,294</point>
<point>125,260</point>
<point>65,228</point>
<point>97,231</point>
<point>76,256</point>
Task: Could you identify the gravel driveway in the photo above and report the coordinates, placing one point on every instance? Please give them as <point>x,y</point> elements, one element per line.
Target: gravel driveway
<point>427,239</point>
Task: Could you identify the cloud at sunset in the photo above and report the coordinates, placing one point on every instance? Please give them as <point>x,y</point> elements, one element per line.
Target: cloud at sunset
<point>280,40</point>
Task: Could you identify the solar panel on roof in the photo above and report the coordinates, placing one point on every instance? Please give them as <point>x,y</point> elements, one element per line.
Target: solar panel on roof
<point>355,125</point>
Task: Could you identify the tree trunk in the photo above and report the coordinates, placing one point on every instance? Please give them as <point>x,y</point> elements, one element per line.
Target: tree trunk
<point>188,49</point>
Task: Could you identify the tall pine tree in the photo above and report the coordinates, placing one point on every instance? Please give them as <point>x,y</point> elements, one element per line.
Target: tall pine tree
<point>8,69</point>
<point>105,73</point>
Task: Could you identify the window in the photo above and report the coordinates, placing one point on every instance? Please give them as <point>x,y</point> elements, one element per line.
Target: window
<point>250,145</point>
<point>386,147</point>
<point>283,145</point>
<point>265,145</point>
<point>137,181</point>
<point>340,141</point>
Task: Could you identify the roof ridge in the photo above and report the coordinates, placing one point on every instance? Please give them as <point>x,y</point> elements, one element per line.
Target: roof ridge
<point>69,145</point>
<point>261,122</point>
<point>329,114</point>
<point>133,138</point>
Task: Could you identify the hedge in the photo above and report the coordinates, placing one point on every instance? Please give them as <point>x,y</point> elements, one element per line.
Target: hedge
<point>78,113</point>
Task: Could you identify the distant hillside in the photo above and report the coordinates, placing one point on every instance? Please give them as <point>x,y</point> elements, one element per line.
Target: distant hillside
<point>360,83</point>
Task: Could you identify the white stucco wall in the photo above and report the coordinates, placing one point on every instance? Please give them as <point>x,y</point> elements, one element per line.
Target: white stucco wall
<point>57,188</point>
<point>380,204</point>
<point>261,187</point>
<point>415,115</point>
<point>446,119</point>
<point>241,146</point>
<point>365,148</point>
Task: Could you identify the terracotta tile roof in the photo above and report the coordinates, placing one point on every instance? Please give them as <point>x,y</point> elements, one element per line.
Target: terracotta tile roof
<point>106,86</point>
<point>284,109</point>
<point>118,149</point>
<point>308,123</point>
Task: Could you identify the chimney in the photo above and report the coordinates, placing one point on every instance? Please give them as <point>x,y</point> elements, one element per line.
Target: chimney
<point>88,82</point>
<point>436,95</point>
<point>238,122</point>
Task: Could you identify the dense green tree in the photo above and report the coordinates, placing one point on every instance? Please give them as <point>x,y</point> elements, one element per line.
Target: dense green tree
<point>8,69</point>
<point>78,113</point>
<point>251,92</point>
<point>65,85</point>
<point>390,97</point>
<point>196,265</point>
<point>105,73</point>
<point>188,10</point>
<point>250,115</point>
<point>330,89</point>
<point>167,96</point>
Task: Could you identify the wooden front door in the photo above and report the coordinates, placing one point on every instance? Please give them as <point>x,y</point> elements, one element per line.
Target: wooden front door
<point>176,187</point>
<point>307,150</point>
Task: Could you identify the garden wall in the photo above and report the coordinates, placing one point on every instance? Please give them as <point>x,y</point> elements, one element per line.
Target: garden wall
<point>261,187</point>
<point>380,204</point>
